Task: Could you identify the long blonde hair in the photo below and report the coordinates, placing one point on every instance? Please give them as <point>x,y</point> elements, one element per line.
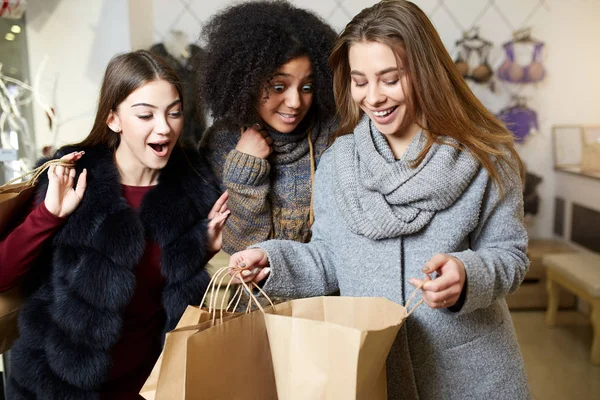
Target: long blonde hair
<point>438,98</point>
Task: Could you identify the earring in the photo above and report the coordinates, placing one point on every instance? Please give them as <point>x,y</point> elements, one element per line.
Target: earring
<point>116,129</point>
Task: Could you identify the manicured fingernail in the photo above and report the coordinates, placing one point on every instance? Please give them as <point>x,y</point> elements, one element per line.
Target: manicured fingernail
<point>242,265</point>
<point>412,282</point>
<point>426,269</point>
<point>267,271</point>
<point>255,271</point>
<point>246,272</point>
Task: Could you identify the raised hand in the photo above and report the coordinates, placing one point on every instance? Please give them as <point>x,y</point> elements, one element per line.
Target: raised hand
<point>217,215</point>
<point>255,141</point>
<point>62,197</point>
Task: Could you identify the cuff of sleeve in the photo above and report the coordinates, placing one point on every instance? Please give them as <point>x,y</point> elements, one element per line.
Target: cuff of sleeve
<point>478,284</point>
<point>42,214</point>
<point>461,299</point>
<point>245,169</point>
<point>275,285</point>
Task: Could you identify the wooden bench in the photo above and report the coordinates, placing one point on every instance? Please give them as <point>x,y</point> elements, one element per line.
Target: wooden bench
<point>579,273</point>
<point>532,292</point>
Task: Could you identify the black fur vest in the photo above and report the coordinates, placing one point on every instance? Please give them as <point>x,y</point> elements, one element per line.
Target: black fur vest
<point>80,287</point>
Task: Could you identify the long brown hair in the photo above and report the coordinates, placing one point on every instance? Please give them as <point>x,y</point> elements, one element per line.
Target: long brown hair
<point>124,74</point>
<point>438,98</point>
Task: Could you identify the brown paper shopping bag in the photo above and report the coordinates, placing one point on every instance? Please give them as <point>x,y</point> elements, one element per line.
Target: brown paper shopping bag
<point>172,378</point>
<point>13,198</point>
<point>333,347</point>
<point>191,317</point>
<point>171,382</point>
<point>231,360</point>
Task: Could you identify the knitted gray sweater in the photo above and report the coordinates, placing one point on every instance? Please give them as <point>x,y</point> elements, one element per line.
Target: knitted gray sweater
<point>471,354</point>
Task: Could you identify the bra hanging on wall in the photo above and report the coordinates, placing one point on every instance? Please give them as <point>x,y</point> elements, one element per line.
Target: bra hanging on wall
<point>482,72</point>
<point>472,58</point>
<point>519,119</point>
<point>513,72</point>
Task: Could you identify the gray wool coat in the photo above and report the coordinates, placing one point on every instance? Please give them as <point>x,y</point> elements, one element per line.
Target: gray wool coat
<point>438,354</point>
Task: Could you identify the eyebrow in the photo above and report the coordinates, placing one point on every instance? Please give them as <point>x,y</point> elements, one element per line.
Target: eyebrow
<point>385,71</point>
<point>290,75</point>
<point>151,106</point>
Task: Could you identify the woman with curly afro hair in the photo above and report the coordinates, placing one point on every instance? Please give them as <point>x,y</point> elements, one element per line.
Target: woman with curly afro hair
<point>266,80</point>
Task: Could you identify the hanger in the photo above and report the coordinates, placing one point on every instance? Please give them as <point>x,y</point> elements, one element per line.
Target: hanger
<point>523,35</point>
<point>472,40</point>
<point>176,44</point>
<point>516,101</point>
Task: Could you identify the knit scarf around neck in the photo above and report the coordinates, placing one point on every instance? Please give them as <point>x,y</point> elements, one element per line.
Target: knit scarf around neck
<point>380,197</point>
<point>290,147</point>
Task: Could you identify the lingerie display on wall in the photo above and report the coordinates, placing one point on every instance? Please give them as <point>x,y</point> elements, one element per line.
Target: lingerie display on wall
<point>511,71</point>
<point>472,59</point>
<point>520,119</point>
<point>184,58</point>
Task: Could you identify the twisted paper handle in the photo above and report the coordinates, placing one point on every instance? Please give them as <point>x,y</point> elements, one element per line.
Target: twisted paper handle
<point>213,286</point>
<point>411,297</point>
<point>37,172</point>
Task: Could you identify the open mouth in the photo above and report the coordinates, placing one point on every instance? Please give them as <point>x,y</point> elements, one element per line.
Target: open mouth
<point>160,148</point>
<point>384,113</point>
<point>288,118</point>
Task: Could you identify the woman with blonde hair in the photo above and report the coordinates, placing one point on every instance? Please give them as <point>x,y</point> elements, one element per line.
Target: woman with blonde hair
<point>420,178</point>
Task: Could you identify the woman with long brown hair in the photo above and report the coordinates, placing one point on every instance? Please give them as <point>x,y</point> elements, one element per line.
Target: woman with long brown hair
<point>420,178</point>
<point>114,248</point>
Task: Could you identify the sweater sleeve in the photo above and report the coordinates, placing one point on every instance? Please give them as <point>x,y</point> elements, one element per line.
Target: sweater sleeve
<point>24,244</point>
<point>305,269</point>
<point>246,178</point>
<point>496,262</point>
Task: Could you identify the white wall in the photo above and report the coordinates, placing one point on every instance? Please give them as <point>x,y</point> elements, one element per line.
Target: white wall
<point>573,97</point>
<point>79,38</point>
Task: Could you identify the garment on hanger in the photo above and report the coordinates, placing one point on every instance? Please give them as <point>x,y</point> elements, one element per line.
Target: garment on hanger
<point>184,59</point>
<point>482,72</point>
<point>511,71</point>
<point>520,120</point>
<point>531,199</point>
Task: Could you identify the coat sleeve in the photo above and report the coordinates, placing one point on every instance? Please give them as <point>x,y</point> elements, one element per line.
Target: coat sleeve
<point>246,178</point>
<point>306,269</point>
<point>24,243</point>
<point>496,262</point>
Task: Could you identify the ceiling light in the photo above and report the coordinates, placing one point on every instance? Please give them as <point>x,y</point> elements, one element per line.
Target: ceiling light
<point>15,29</point>
<point>9,36</point>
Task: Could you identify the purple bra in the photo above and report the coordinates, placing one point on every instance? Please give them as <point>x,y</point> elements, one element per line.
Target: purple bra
<point>512,72</point>
<point>520,120</point>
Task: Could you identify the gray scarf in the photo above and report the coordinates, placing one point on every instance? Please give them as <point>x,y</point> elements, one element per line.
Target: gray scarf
<point>380,197</point>
<point>291,147</point>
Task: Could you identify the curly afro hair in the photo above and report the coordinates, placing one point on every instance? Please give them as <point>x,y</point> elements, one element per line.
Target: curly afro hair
<point>247,43</point>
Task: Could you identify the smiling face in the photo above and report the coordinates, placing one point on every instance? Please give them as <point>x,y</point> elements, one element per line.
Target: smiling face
<point>290,95</point>
<point>378,85</point>
<point>149,121</point>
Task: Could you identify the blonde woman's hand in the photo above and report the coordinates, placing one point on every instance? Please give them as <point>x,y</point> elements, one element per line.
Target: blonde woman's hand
<point>255,141</point>
<point>445,289</point>
<point>250,265</point>
<point>217,216</point>
<point>62,196</point>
